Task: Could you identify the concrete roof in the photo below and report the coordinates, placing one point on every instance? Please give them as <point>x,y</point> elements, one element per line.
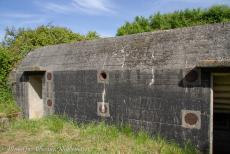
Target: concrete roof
<point>176,48</point>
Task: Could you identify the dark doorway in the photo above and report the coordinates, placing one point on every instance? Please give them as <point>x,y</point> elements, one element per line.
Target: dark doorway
<point>221,113</point>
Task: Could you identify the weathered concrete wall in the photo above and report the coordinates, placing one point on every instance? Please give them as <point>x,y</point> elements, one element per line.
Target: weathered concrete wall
<point>156,108</point>
<point>152,80</point>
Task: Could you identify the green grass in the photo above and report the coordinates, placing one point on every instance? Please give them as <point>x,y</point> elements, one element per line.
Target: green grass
<point>7,103</point>
<point>63,136</point>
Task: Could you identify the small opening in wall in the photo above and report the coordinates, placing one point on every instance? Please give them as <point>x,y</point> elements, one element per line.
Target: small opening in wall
<point>103,76</point>
<point>49,76</point>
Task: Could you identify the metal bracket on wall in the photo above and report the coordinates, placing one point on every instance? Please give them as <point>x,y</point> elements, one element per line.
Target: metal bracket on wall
<point>103,109</point>
<point>49,92</point>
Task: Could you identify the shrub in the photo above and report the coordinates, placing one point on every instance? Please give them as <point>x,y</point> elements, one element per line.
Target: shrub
<point>177,19</point>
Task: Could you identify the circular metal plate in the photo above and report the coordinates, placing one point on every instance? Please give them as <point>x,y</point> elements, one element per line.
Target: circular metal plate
<point>49,76</point>
<point>49,102</point>
<point>191,118</point>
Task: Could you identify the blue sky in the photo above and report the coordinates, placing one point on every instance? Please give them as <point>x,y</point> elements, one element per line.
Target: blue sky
<point>103,16</point>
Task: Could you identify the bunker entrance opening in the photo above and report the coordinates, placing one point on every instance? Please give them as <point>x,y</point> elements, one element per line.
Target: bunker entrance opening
<point>35,98</point>
<point>221,113</point>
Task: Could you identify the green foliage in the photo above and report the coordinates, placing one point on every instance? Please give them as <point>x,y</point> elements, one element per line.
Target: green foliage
<point>7,103</point>
<point>177,19</point>
<point>91,35</point>
<point>126,129</point>
<point>140,24</point>
<point>99,130</point>
<point>142,137</point>
<point>52,123</point>
<point>24,40</point>
<point>7,60</point>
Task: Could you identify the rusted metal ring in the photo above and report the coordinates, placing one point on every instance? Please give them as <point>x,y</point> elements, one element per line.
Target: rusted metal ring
<point>191,118</point>
<point>49,76</point>
<point>49,102</point>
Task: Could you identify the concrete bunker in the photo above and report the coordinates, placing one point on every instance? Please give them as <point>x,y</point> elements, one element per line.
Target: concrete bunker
<point>160,82</point>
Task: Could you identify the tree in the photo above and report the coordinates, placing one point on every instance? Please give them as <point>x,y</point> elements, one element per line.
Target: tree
<point>7,60</point>
<point>24,40</point>
<point>177,19</point>
<point>140,24</point>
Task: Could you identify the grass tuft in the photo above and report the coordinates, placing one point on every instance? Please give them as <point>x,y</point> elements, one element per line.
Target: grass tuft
<point>60,134</point>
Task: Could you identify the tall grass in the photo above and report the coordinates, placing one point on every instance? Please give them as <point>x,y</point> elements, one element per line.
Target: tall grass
<point>7,103</point>
<point>58,132</point>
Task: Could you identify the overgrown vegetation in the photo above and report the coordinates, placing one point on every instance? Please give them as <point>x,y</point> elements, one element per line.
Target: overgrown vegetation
<point>62,136</point>
<point>18,42</point>
<point>177,19</point>
<point>23,40</point>
<point>7,61</point>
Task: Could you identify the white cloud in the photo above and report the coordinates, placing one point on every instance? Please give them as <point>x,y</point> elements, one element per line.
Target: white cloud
<point>32,21</point>
<point>195,1</point>
<point>20,19</point>
<point>93,7</point>
<point>17,15</point>
<point>58,8</point>
<point>99,5</point>
<point>105,34</point>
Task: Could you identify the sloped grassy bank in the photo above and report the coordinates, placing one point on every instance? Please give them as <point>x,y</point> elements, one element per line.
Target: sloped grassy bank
<point>58,135</point>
